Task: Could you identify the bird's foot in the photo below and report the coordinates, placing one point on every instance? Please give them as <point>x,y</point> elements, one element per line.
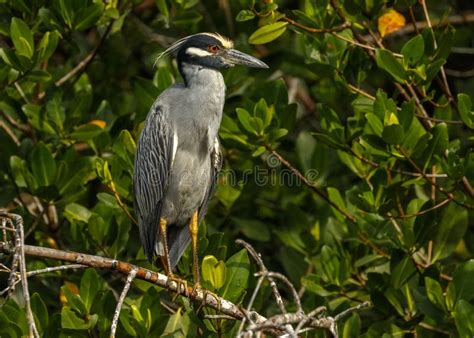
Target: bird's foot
<point>181,285</point>
<point>205,293</point>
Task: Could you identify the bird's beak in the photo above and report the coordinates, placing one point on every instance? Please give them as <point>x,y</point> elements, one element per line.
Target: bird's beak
<point>235,57</point>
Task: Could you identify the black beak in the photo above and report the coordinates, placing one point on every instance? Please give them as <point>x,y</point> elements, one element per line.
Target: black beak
<point>235,57</point>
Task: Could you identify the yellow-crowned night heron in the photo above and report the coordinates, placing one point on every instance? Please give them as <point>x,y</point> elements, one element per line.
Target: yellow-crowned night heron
<point>178,156</point>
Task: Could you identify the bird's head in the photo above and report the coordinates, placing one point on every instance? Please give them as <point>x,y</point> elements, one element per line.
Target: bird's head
<point>210,50</point>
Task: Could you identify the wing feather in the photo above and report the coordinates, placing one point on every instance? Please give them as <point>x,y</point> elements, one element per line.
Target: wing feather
<point>153,161</point>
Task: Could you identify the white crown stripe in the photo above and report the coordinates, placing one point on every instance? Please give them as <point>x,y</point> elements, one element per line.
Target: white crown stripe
<point>226,42</point>
<point>197,52</point>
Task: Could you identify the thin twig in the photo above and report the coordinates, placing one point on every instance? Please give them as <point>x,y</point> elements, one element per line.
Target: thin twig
<point>344,313</point>
<point>130,278</point>
<point>256,256</point>
<point>310,185</point>
<point>82,66</point>
<point>422,212</point>
<point>56,268</point>
<point>285,280</point>
<point>19,239</point>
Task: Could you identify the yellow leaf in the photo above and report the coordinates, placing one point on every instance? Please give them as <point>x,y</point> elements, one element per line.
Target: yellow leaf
<point>393,119</point>
<point>390,22</point>
<point>99,123</point>
<point>72,287</point>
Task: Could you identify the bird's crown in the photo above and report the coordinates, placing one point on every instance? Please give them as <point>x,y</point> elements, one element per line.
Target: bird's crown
<point>200,40</point>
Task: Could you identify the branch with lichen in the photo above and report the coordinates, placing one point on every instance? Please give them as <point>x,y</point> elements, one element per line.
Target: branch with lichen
<point>253,323</point>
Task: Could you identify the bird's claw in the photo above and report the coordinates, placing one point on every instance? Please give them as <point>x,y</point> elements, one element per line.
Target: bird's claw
<point>181,285</point>
<point>197,287</point>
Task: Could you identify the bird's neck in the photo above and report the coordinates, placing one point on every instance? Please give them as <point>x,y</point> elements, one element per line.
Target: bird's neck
<point>200,76</point>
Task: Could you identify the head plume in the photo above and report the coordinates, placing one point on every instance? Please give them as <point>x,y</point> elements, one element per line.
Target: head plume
<point>173,49</point>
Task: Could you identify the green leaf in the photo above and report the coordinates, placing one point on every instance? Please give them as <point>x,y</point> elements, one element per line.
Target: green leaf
<point>438,144</point>
<point>464,318</point>
<point>38,307</point>
<point>86,132</point>
<point>450,231</point>
<point>69,320</point>
<point>47,45</point>
<point>67,12</point>
<point>22,38</point>
<point>435,293</point>
<point>246,120</point>
<point>76,212</point>
<point>163,7</point>
<point>464,107</point>
<point>268,33</point>
<point>89,16</point>
<point>393,134</point>
<point>74,301</point>
<point>10,58</point>
<point>253,229</point>
<point>352,327</point>
<point>43,165</point>
<point>388,62</point>
<point>245,15</point>
<point>89,287</point>
<point>213,271</point>
<point>462,280</point>
<point>237,276</point>
<point>37,118</point>
<point>108,199</point>
<point>335,197</point>
<point>177,326</point>
<point>414,49</point>
<point>265,113</point>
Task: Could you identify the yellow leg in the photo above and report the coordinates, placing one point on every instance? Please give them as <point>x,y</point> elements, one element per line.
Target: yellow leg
<point>165,259</point>
<point>193,229</point>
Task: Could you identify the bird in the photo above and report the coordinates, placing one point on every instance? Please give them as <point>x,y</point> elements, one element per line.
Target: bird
<point>178,153</point>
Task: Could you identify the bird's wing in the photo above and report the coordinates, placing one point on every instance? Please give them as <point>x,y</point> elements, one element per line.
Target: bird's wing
<point>153,161</point>
<point>216,164</point>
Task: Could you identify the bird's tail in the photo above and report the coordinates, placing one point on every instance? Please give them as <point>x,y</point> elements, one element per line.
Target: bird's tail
<point>178,240</point>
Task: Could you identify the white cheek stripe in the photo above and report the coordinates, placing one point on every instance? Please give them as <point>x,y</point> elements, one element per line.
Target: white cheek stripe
<point>197,52</point>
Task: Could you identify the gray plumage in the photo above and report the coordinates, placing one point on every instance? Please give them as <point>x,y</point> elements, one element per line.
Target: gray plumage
<point>178,156</point>
<point>176,169</point>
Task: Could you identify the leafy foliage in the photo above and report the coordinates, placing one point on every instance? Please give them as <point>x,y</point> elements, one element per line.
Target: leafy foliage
<point>380,134</point>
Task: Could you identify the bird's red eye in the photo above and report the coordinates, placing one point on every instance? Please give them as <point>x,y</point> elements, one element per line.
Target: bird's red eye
<point>213,48</point>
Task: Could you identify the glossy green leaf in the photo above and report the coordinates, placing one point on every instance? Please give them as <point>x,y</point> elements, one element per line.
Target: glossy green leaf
<point>245,15</point>
<point>388,62</point>
<point>89,287</point>
<point>213,271</point>
<point>414,49</point>
<point>47,45</point>
<point>464,108</point>
<point>237,276</point>
<point>70,320</point>
<point>38,307</point>
<point>464,318</point>
<point>435,293</point>
<point>462,281</point>
<point>393,134</point>
<point>43,165</point>
<point>177,325</point>
<point>22,38</point>
<point>89,16</point>
<point>450,231</point>
<point>76,212</point>
<point>268,33</point>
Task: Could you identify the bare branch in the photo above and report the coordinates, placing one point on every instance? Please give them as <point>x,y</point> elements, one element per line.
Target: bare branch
<point>130,278</point>
<point>56,268</point>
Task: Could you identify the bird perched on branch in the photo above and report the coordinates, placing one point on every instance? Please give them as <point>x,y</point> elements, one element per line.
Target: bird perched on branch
<point>178,155</point>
